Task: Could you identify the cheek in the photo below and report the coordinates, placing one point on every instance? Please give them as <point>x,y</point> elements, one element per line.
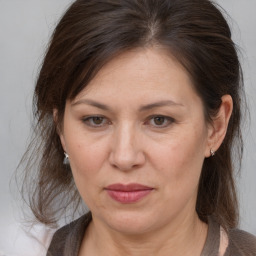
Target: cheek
<point>86,162</point>
<point>86,154</point>
<point>87,158</point>
<point>180,161</point>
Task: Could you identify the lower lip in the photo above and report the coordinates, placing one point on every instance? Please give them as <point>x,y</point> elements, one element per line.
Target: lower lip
<point>127,197</point>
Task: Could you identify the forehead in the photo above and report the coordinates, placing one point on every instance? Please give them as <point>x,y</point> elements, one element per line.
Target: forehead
<point>143,73</point>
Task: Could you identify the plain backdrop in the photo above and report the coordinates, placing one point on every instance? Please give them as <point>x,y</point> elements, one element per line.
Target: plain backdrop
<point>25,27</point>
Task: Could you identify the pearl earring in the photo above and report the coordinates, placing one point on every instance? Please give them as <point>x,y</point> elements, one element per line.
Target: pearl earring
<point>66,159</point>
<point>212,152</point>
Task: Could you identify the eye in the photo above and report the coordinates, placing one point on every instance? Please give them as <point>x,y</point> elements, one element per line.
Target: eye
<point>160,121</point>
<point>95,121</point>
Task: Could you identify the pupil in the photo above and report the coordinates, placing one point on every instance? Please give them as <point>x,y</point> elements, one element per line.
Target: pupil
<point>159,120</point>
<point>97,120</point>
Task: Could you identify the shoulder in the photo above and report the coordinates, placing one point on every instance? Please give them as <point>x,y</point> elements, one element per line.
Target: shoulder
<point>241,243</point>
<point>69,237</point>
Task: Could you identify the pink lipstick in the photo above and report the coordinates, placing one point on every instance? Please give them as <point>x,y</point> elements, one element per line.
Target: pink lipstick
<point>129,193</point>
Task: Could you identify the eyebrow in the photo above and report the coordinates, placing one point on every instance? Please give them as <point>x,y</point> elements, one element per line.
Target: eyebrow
<point>159,104</point>
<point>141,109</point>
<point>91,103</point>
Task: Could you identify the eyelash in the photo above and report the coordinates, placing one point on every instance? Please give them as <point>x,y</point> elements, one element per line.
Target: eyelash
<point>167,119</point>
<point>89,121</point>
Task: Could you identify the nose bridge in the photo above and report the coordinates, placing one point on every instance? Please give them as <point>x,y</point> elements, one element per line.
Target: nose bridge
<point>124,141</point>
<point>126,151</point>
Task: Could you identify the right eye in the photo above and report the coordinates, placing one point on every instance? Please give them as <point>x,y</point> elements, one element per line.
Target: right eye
<point>95,121</point>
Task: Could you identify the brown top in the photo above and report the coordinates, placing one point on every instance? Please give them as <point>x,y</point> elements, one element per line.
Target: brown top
<point>67,240</point>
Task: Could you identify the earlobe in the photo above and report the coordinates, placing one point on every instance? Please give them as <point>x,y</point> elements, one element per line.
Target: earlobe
<point>59,131</point>
<point>218,129</point>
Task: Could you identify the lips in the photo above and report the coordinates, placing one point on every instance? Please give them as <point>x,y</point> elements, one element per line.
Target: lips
<point>129,193</point>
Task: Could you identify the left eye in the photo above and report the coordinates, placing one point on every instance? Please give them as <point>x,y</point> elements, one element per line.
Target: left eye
<point>160,121</point>
<point>95,121</point>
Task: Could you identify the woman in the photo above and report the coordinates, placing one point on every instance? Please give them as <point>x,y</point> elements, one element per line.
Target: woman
<point>142,99</point>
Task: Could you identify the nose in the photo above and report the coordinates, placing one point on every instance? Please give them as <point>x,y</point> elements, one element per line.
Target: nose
<point>126,149</point>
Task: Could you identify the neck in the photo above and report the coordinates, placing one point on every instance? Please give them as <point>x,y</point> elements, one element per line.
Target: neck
<point>185,237</point>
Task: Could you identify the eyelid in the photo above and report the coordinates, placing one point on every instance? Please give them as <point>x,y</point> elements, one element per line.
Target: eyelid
<point>168,118</point>
<point>86,120</point>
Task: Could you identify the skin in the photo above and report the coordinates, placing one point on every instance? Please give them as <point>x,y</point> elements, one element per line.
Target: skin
<point>128,144</point>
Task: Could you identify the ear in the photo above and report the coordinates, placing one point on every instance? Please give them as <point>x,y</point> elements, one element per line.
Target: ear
<point>58,129</point>
<point>218,128</point>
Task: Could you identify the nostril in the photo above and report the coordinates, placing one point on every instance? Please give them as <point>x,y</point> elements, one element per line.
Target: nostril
<point>126,162</point>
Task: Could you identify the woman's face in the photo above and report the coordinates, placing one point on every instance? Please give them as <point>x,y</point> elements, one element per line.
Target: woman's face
<point>136,139</point>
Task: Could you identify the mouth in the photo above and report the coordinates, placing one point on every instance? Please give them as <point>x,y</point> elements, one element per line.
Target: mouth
<point>129,193</point>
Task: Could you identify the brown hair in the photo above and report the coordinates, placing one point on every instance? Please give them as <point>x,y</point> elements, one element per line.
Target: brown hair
<point>91,33</point>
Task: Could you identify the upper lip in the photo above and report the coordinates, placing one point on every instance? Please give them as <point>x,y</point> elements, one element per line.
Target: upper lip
<point>127,187</point>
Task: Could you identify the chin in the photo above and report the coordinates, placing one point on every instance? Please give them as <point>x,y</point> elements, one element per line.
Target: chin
<point>131,222</point>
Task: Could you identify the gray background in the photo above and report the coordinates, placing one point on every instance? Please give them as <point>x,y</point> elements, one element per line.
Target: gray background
<point>25,27</point>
